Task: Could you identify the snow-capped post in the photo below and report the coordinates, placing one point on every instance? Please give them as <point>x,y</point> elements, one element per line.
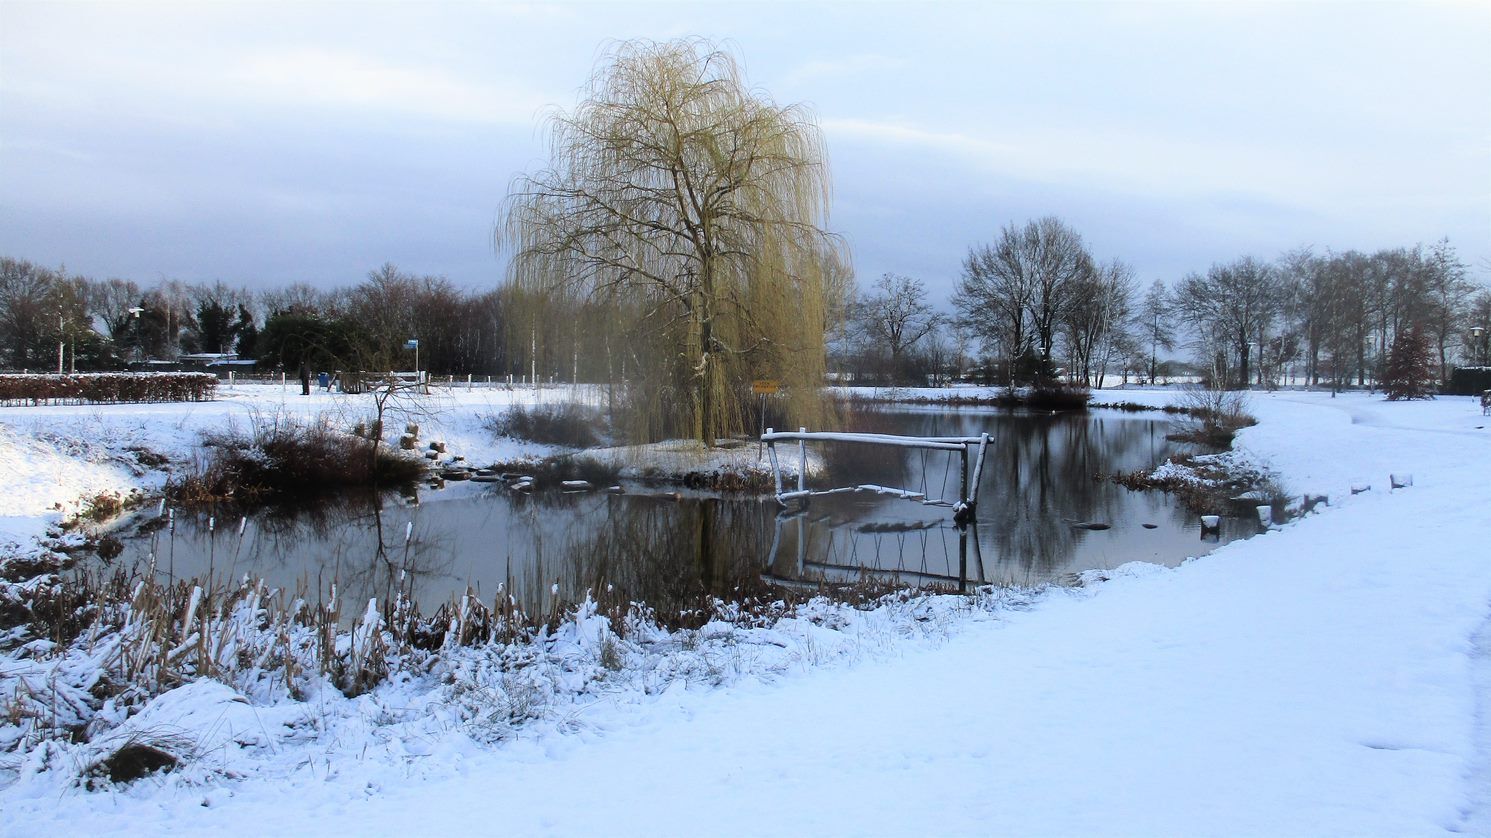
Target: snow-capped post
<point>1400,481</point>
<point>968,510</point>
<point>961,511</point>
<point>1211,523</point>
<point>1265,516</point>
<point>802,461</point>
<point>771,448</point>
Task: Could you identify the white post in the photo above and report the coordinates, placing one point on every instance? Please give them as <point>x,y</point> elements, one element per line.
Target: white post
<point>802,462</point>
<point>776,469</point>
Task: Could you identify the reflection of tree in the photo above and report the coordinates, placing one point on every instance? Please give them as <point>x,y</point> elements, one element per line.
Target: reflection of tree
<point>394,564</point>
<point>1041,470</point>
<point>347,543</point>
<point>1017,513</point>
<point>668,554</point>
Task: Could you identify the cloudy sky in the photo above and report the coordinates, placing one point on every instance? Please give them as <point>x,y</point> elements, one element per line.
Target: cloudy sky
<point>265,143</point>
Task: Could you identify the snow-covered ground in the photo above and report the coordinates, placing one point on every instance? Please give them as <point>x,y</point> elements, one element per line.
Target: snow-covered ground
<point>52,458</point>
<point>1330,677</point>
<point>58,455</point>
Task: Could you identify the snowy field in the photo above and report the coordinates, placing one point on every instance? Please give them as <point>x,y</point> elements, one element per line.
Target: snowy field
<point>1330,677</point>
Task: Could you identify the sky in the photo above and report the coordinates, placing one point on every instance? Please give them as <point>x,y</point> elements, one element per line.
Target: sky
<point>266,143</point>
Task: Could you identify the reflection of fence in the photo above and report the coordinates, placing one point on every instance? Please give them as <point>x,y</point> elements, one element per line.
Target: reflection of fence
<point>848,554</point>
<point>964,506</point>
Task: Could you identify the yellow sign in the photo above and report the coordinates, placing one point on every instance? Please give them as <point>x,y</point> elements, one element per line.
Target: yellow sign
<point>765,386</point>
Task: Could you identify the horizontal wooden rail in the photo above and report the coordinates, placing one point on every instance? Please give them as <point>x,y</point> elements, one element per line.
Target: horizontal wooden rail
<point>935,443</point>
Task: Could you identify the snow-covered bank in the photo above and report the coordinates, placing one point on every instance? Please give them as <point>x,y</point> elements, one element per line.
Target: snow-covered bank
<point>52,456</point>
<point>1330,677</point>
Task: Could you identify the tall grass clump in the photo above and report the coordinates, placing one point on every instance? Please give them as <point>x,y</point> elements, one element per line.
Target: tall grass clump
<point>281,458</point>
<point>1057,395</point>
<point>568,424</point>
<point>1214,415</point>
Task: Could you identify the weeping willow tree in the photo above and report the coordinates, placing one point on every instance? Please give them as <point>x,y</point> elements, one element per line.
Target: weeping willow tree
<point>691,211</point>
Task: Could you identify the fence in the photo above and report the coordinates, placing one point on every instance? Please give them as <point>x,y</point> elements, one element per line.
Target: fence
<point>964,507</point>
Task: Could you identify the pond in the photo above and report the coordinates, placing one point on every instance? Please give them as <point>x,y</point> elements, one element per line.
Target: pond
<point>1044,513</point>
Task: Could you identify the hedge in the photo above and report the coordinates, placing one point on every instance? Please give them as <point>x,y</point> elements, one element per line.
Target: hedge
<point>107,388</point>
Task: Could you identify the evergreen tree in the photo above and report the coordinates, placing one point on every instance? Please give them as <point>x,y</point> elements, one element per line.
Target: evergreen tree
<point>1410,372</point>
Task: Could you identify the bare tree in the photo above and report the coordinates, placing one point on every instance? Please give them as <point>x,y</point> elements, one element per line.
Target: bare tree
<point>695,207</point>
<point>1096,321</point>
<point>896,315</point>
<point>1153,321</point>
<point>1016,291</point>
<point>300,298</point>
<point>1449,292</point>
<point>1228,308</point>
<point>994,294</point>
<point>114,303</point>
<point>42,311</point>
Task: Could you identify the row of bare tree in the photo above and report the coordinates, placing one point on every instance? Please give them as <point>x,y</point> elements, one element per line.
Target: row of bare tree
<point>1035,299</point>
<point>1041,307</point>
<point>1331,317</point>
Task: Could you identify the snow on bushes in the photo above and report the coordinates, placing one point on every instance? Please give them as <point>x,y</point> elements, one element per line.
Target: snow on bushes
<point>172,678</point>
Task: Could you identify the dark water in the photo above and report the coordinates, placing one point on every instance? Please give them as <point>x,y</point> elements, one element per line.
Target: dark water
<point>1039,482</point>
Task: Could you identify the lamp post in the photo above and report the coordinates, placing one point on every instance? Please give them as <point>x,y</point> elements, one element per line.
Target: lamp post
<point>1478,334</point>
<point>134,325</point>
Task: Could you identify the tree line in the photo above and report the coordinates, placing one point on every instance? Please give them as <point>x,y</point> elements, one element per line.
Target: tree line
<point>112,323</point>
<point>1036,305</point>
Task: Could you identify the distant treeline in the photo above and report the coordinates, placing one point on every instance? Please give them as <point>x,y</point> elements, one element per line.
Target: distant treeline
<point>1035,304</point>
<point>1032,305</point>
<point>108,324</point>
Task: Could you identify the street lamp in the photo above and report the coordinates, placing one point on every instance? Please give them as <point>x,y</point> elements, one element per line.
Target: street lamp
<point>1477,333</point>
<point>134,315</point>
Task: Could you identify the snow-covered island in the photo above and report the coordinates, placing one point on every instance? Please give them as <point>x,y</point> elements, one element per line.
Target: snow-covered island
<point>1331,676</point>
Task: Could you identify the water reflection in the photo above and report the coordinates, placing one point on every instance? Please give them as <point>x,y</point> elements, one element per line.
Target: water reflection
<point>1040,481</point>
